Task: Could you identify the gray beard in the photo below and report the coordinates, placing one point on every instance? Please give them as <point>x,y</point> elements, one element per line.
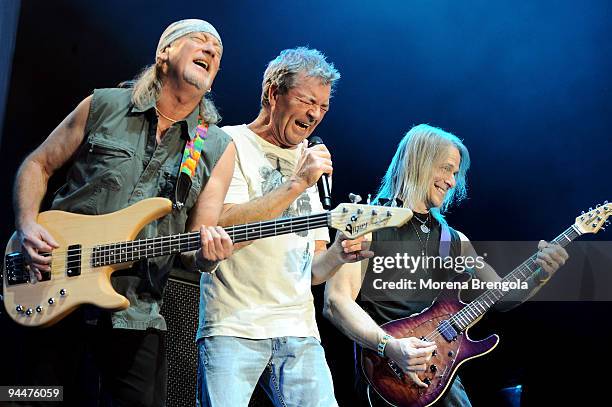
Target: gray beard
<point>194,80</point>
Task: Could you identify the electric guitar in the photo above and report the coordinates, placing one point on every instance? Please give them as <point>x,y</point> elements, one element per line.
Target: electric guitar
<point>446,323</point>
<point>93,247</point>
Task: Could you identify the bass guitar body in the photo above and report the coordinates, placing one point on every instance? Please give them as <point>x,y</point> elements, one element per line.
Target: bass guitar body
<point>73,279</point>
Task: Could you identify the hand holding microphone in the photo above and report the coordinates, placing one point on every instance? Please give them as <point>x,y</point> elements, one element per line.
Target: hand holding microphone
<point>314,164</point>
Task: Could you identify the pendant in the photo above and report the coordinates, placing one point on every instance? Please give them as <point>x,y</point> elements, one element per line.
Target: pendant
<point>424,228</point>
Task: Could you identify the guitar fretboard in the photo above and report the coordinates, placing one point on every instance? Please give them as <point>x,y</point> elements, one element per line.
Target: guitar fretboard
<point>486,300</point>
<point>128,251</point>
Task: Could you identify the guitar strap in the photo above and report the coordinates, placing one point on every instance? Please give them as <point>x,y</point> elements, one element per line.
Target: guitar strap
<point>445,240</point>
<point>189,164</point>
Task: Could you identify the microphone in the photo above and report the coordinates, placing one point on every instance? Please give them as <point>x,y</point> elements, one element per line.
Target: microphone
<point>323,182</point>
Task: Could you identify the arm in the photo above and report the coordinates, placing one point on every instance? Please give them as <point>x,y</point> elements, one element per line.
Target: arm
<point>216,244</point>
<point>411,354</point>
<point>32,178</point>
<point>312,164</point>
<point>550,258</point>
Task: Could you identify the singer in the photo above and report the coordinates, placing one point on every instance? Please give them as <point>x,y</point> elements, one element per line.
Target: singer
<point>257,318</point>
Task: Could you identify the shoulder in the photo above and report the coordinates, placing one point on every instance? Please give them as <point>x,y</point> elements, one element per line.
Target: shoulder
<point>461,235</point>
<point>245,142</point>
<point>217,134</point>
<point>106,103</point>
<point>111,97</point>
<point>466,246</point>
<point>239,131</point>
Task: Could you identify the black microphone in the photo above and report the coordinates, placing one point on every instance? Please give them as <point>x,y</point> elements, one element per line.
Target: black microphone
<point>323,182</point>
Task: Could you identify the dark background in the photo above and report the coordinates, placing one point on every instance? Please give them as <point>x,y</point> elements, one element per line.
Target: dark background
<point>526,85</point>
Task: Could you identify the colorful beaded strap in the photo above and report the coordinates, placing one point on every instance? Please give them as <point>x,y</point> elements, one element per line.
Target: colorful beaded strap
<point>191,157</point>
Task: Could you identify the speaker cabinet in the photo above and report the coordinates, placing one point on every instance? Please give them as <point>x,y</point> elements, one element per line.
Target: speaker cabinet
<point>180,309</point>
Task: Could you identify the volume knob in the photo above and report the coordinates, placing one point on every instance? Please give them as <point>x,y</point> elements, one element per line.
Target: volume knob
<point>29,311</point>
<point>51,301</point>
<point>39,309</point>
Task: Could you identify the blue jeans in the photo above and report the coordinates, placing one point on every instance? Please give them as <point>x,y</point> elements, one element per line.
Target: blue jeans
<point>292,371</point>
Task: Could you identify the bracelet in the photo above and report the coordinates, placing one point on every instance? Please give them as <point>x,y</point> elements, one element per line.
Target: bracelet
<point>206,266</point>
<point>382,345</point>
<point>543,280</point>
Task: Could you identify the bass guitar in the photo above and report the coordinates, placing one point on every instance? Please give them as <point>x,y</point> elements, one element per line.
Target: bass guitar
<point>93,247</point>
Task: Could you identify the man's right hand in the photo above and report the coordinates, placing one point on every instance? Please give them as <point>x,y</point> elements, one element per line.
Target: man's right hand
<point>35,240</point>
<point>313,162</point>
<point>411,355</point>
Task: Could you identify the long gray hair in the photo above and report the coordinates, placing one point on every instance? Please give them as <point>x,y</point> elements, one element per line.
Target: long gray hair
<point>410,173</point>
<point>148,88</point>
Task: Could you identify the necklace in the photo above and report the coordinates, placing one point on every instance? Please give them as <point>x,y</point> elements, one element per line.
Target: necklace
<point>424,227</point>
<point>164,116</point>
<point>423,246</point>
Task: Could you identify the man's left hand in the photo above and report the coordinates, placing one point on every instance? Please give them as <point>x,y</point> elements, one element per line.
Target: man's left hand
<point>216,243</point>
<point>351,250</point>
<point>550,257</point>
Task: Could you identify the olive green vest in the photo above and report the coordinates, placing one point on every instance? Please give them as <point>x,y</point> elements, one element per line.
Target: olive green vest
<point>119,164</point>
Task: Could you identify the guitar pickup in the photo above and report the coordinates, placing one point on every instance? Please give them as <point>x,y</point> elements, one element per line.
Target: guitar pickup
<point>73,260</point>
<point>448,332</point>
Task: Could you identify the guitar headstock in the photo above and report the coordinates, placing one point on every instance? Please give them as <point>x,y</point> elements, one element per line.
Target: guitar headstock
<point>356,220</point>
<point>594,219</point>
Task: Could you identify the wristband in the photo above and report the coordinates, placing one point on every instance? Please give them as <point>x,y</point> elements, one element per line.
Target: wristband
<point>382,345</point>
<point>541,280</point>
<point>205,265</point>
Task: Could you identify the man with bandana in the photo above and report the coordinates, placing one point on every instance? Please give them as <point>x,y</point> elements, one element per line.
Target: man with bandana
<point>125,145</point>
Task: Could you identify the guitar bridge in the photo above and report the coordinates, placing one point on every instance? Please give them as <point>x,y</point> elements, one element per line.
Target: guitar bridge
<point>16,269</point>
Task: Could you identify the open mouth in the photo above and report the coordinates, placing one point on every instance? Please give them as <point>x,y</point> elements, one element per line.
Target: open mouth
<point>201,63</point>
<point>302,125</point>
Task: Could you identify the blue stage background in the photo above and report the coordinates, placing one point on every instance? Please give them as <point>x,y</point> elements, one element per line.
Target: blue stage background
<point>526,85</point>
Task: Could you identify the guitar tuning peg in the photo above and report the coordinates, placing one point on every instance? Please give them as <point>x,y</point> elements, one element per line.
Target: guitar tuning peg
<point>605,202</point>
<point>354,198</point>
<point>590,209</point>
<point>369,198</point>
<point>607,223</point>
<point>582,212</point>
<point>597,206</point>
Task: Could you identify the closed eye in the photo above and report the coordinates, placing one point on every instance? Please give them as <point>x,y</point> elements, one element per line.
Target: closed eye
<point>324,108</point>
